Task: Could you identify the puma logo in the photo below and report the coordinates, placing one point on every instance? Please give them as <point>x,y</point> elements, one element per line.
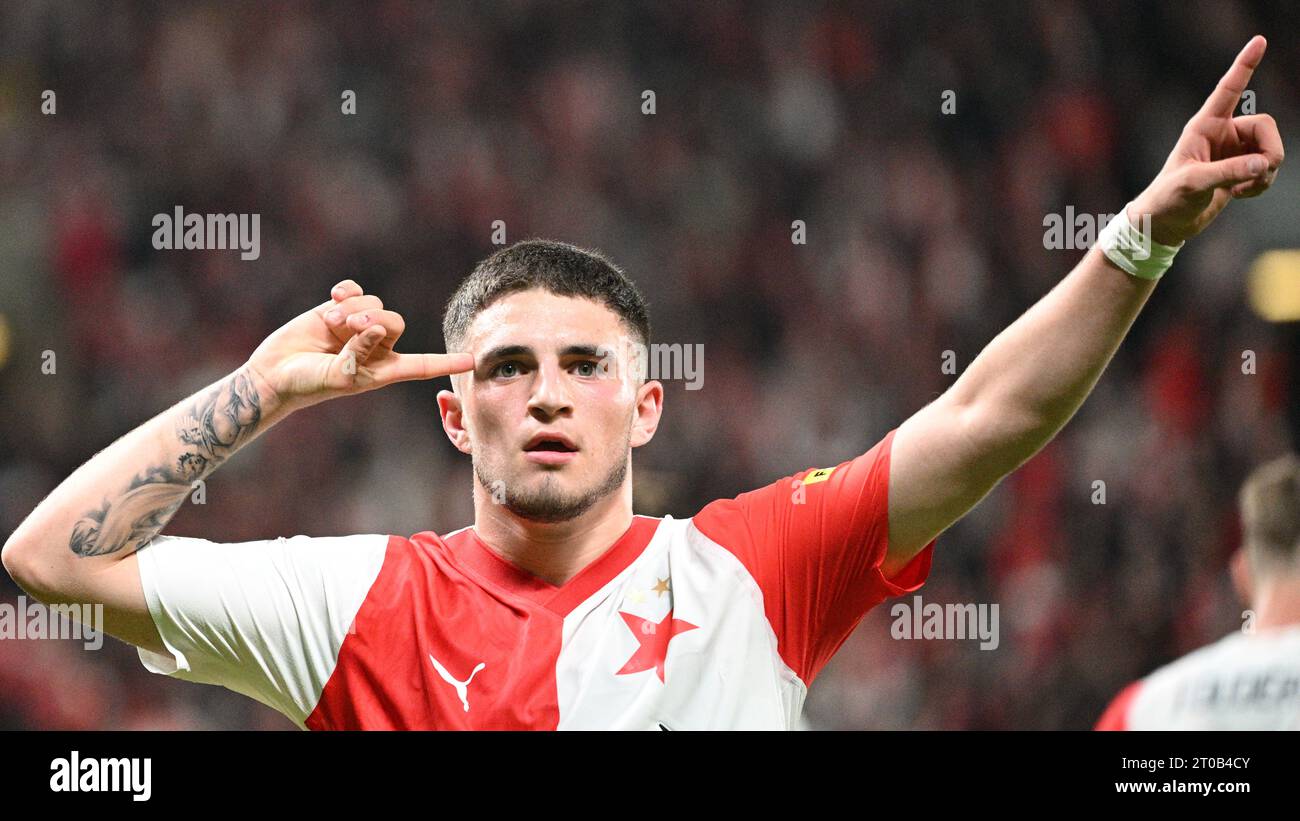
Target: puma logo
<point>462,687</point>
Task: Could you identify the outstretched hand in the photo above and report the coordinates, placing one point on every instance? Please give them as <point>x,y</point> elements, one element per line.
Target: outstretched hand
<point>1218,158</point>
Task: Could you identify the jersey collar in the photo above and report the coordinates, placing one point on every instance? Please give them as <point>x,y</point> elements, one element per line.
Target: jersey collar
<point>474,553</point>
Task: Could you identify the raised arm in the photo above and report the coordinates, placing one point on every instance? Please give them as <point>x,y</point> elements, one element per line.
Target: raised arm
<point>1028,382</point>
<point>78,545</point>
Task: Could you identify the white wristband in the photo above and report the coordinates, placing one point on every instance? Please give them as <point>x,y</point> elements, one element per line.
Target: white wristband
<point>1133,250</point>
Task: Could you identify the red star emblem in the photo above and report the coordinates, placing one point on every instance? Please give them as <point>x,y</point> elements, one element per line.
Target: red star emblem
<point>654,638</point>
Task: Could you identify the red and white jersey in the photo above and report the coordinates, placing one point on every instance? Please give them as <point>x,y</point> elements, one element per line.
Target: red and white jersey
<point>717,621</point>
<point>1241,682</point>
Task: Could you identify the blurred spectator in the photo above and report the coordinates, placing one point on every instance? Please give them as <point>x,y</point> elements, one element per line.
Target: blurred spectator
<point>923,234</point>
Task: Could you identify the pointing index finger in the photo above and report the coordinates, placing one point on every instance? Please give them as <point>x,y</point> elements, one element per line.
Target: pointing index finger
<point>408,366</point>
<point>1223,100</point>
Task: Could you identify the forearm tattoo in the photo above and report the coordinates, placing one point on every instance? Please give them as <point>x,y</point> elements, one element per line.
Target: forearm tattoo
<point>215,426</point>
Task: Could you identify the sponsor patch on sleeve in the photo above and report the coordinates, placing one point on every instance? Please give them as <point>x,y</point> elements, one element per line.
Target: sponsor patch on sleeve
<point>818,475</point>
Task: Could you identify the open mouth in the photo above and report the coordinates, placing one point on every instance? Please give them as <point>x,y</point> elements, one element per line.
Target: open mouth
<point>547,442</point>
<point>550,449</point>
<point>552,445</point>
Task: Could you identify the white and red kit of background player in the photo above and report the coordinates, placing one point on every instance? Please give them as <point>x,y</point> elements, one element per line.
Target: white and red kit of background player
<point>1241,682</point>
<point>717,621</point>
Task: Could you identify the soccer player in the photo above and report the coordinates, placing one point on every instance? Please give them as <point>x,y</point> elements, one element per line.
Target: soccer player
<point>559,607</point>
<point>1250,679</point>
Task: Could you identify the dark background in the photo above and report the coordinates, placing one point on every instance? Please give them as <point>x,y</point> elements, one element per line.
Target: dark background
<point>925,234</point>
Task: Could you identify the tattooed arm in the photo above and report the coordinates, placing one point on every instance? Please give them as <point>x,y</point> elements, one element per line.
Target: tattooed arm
<point>74,546</point>
<point>78,545</point>
<point>205,430</point>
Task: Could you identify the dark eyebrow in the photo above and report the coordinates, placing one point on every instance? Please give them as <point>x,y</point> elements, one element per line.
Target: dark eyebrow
<point>503,351</point>
<point>581,350</point>
<point>506,351</point>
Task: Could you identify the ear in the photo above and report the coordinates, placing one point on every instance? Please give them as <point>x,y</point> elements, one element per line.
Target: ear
<point>649,407</point>
<point>1243,580</point>
<point>451,410</point>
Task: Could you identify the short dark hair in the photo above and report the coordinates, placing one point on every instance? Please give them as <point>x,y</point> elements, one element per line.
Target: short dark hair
<point>1270,514</point>
<point>557,267</point>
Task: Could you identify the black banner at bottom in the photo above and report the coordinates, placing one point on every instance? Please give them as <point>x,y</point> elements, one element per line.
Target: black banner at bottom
<point>387,772</point>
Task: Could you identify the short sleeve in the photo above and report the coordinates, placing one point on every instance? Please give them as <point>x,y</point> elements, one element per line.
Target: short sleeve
<point>265,619</point>
<point>815,542</point>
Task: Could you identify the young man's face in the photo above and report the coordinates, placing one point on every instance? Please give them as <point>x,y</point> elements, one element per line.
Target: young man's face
<point>540,372</point>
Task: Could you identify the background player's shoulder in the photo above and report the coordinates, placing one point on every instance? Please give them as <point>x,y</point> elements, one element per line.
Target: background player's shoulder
<point>1205,688</point>
<point>1229,650</point>
<point>1202,658</point>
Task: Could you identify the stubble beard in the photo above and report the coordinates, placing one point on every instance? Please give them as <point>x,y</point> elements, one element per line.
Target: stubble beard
<point>547,503</point>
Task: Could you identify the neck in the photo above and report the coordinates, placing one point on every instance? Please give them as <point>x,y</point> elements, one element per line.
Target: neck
<point>554,552</point>
<point>1277,603</point>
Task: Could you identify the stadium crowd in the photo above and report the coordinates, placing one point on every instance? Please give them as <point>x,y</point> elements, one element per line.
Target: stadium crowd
<point>924,235</point>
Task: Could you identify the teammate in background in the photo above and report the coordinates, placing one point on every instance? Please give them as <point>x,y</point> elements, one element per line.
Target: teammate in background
<point>1250,679</point>
<point>558,607</point>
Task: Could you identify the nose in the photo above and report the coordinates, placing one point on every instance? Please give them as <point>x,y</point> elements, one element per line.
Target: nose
<point>550,397</point>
